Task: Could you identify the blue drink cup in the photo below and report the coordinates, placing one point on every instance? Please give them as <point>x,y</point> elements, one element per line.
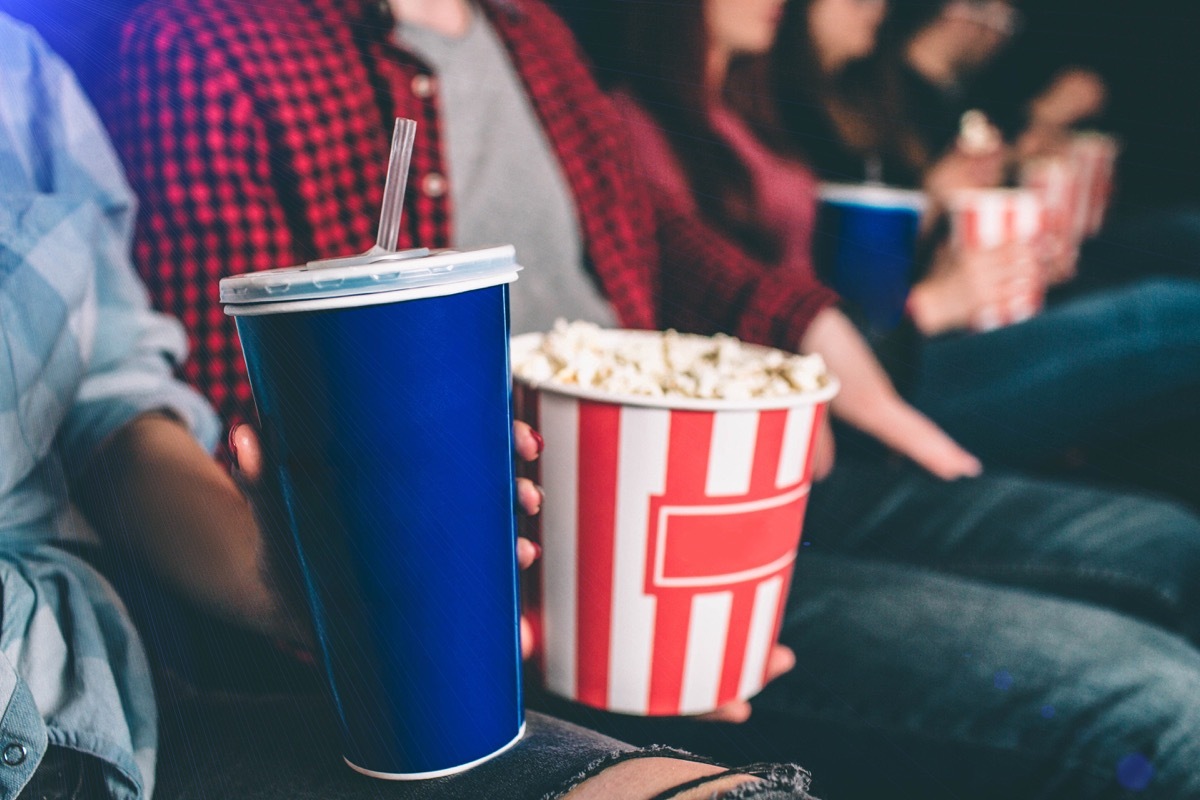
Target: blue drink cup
<point>866,247</point>
<point>385,400</point>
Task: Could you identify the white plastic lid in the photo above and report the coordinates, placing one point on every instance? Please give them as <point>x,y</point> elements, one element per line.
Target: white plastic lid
<point>389,272</point>
<point>875,195</point>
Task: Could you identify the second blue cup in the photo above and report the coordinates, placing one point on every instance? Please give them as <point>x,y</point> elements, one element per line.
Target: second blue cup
<point>866,247</point>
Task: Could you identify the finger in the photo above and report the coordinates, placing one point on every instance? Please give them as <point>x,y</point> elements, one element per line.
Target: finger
<point>527,552</point>
<point>946,459</point>
<point>780,662</point>
<point>736,712</point>
<point>530,496</point>
<point>824,452</point>
<point>527,642</point>
<point>918,438</point>
<point>527,442</point>
<point>247,452</point>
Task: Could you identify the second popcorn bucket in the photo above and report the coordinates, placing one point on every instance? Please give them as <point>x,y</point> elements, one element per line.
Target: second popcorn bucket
<point>384,395</point>
<point>669,534</point>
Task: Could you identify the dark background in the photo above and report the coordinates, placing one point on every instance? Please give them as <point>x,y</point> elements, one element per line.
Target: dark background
<point>1148,51</point>
<point>1149,54</point>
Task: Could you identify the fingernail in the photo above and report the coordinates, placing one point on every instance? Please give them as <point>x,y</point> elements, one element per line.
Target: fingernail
<point>541,496</point>
<point>537,550</point>
<point>232,442</point>
<point>537,438</point>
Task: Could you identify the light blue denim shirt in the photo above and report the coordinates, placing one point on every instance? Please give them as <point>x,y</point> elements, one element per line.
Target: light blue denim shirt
<point>81,354</point>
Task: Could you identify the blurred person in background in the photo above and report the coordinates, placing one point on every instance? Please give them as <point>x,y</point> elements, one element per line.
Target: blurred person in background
<point>892,112</point>
<point>927,576</point>
<point>1020,395</point>
<point>943,44</point>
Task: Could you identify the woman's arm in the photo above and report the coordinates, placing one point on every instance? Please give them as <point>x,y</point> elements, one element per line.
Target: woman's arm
<point>869,402</point>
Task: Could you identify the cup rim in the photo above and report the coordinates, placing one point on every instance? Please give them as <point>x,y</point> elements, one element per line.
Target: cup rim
<point>822,395</point>
<point>874,195</point>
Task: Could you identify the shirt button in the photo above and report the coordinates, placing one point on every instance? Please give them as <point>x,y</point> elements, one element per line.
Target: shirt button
<point>14,754</point>
<point>434,184</point>
<point>422,86</point>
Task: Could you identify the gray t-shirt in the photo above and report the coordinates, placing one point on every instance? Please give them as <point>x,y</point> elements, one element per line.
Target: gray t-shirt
<point>505,181</point>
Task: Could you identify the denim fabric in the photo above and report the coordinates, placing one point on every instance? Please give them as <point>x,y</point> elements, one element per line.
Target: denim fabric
<point>1008,637</point>
<point>991,638</point>
<point>1092,370</point>
<point>81,354</point>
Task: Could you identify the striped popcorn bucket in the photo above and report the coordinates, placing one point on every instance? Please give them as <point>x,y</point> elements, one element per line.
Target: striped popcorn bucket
<point>983,219</point>
<point>669,533</point>
<point>1056,181</point>
<point>1093,155</point>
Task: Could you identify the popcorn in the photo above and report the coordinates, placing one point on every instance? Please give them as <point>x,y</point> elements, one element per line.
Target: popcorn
<point>976,134</point>
<point>669,364</point>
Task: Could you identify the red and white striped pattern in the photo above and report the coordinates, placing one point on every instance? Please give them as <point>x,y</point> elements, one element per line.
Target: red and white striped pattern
<point>668,544</point>
<point>1093,156</point>
<point>987,218</point>
<point>983,219</point>
<point>1056,182</point>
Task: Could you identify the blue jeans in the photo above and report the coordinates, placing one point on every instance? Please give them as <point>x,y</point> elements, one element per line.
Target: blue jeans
<point>1093,369</point>
<point>992,638</point>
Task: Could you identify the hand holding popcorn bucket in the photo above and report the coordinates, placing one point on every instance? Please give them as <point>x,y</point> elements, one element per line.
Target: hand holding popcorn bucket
<point>986,219</point>
<point>671,523</point>
<point>1076,185</point>
<point>1093,156</point>
<point>1057,183</point>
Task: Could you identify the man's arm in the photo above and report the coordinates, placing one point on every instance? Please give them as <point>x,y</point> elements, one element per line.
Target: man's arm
<point>152,489</point>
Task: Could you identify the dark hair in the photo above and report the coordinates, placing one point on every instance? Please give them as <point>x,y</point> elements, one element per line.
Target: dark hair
<point>797,107</point>
<point>661,60</point>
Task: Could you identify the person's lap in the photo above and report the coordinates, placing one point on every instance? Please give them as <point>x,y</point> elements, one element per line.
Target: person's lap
<point>910,683</point>
<point>1127,552</point>
<point>968,689</point>
<point>284,747</point>
<point>992,638</point>
<point>1090,370</point>
<point>217,745</point>
<point>1005,634</point>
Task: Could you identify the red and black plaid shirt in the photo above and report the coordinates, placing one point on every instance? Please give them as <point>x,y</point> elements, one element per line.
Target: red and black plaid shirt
<point>256,132</point>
